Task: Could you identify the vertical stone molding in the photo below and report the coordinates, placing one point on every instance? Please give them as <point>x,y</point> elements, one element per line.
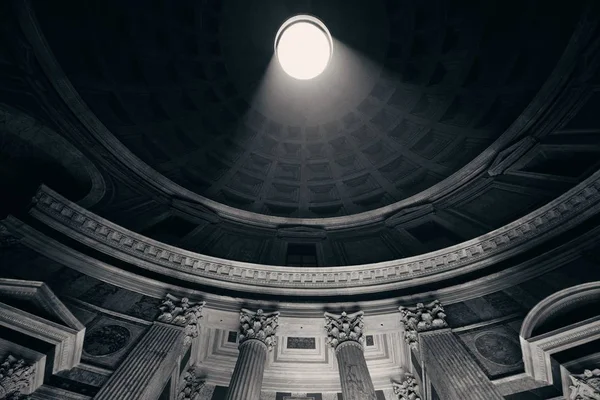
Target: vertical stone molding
<point>452,370</point>
<point>257,337</point>
<point>191,387</point>
<point>16,377</point>
<point>182,312</point>
<point>421,318</point>
<point>345,334</point>
<point>147,368</point>
<point>585,386</point>
<point>408,389</point>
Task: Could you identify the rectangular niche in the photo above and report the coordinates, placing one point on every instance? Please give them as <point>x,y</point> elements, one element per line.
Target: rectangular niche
<point>301,343</point>
<point>232,337</point>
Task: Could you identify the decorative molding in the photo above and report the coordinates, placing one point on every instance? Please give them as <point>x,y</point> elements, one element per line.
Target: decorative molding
<point>421,318</point>
<point>6,238</point>
<point>585,386</point>
<point>258,325</point>
<point>16,377</point>
<point>344,327</point>
<point>182,312</point>
<point>63,332</point>
<point>533,267</point>
<point>408,389</point>
<point>537,350</point>
<point>192,385</point>
<point>521,235</point>
<point>509,156</point>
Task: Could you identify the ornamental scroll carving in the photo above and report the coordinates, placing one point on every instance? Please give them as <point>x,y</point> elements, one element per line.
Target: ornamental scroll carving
<point>192,385</point>
<point>6,238</point>
<point>15,377</point>
<point>408,389</point>
<point>344,327</point>
<point>585,386</point>
<point>182,312</point>
<point>258,325</point>
<point>421,318</point>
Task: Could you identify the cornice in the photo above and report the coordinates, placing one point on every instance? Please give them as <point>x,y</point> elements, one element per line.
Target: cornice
<point>556,217</point>
<point>536,117</point>
<point>103,271</point>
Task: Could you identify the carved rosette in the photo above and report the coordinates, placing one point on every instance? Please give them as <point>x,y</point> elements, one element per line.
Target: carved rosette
<point>585,386</point>
<point>15,377</point>
<point>191,387</point>
<point>182,312</point>
<point>258,325</point>
<point>421,318</point>
<point>408,389</point>
<point>344,327</point>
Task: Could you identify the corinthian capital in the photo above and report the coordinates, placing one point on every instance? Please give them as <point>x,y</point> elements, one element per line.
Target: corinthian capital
<point>585,386</point>
<point>15,377</point>
<point>258,325</point>
<point>422,318</point>
<point>408,389</point>
<point>182,312</point>
<point>344,327</point>
<point>192,385</point>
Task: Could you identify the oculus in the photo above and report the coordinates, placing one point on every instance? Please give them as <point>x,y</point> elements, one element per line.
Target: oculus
<point>303,46</point>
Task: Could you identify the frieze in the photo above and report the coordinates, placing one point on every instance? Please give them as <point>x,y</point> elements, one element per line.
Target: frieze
<point>258,325</point>
<point>408,389</point>
<point>421,318</point>
<point>16,377</point>
<point>182,312</point>
<point>344,327</point>
<point>585,386</point>
<point>83,225</point>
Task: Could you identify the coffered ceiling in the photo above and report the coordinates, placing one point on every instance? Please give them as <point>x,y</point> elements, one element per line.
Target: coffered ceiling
<point>414,92</point>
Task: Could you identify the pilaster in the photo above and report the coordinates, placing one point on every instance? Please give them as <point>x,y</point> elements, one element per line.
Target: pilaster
<point>145,370</point>
<point>182,312</point>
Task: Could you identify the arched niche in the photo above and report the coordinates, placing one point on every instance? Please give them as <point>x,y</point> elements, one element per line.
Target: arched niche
<point>562,321</point>
<point>32,154</point>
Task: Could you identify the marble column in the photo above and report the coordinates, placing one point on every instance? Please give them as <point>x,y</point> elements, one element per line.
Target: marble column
<point>256,338</point>
<point>147,368</point>
<point>345,336</point>
<point>453,372</point>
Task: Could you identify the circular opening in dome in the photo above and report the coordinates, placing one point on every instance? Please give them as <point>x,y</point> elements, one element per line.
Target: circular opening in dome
<point>303,46</point>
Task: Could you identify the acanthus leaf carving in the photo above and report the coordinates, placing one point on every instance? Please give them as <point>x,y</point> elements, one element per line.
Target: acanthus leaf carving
<point>344,327</point>
<point>182,312</point>
<point>585,386</point>
<point>192,385</point>
<point>258,325</point>
<point>421,318</point>
<point>15,377</point>
<point>408,389</point>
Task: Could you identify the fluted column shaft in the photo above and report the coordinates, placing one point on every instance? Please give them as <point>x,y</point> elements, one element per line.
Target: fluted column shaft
<point>453,372</point>
<point>354,373</point>
<point>147,368</point>
<point>247,377</point>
